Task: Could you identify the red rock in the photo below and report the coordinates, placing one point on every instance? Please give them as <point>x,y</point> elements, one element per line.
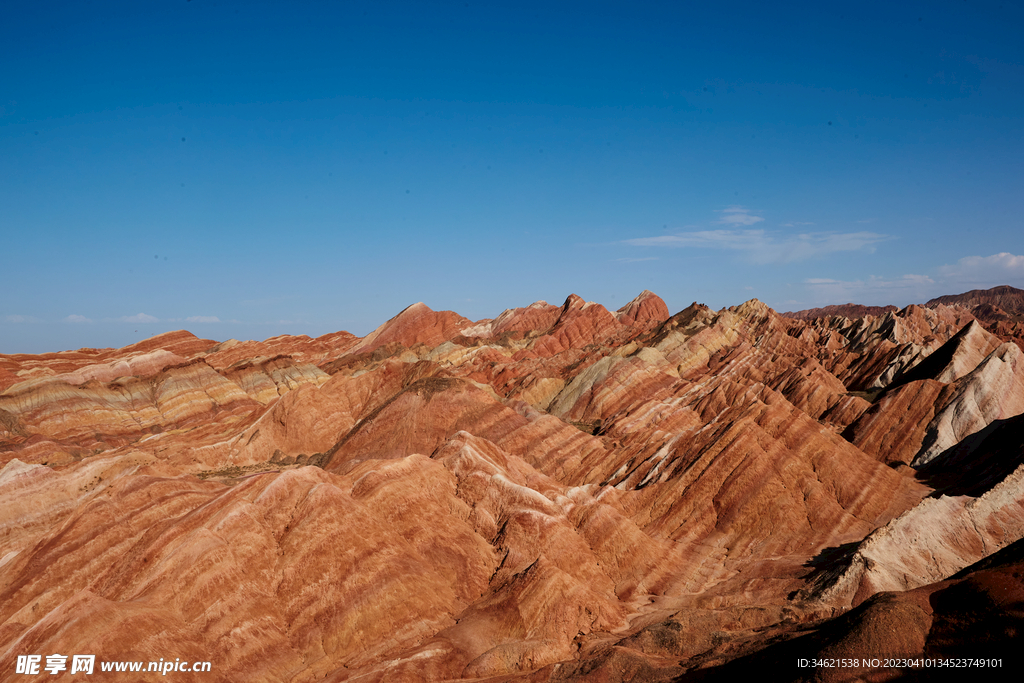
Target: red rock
<point>559,493</point>
<point>893,428</point>
<point>1009,299</point>
<point>842,310</point>
<point>417,324</point>
<point>646,310</point>
<point>538,317</point>
<point>579,324</point>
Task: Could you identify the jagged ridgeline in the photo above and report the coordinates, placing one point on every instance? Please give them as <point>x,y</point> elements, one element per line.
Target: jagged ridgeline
<point>561,493</point>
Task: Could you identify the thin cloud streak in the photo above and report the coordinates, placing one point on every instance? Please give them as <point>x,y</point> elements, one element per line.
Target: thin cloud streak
<point>826,291</point>
<point>737,215</point>
<point>760,246</point>
<point>970,272</point>
<point>138,318</point>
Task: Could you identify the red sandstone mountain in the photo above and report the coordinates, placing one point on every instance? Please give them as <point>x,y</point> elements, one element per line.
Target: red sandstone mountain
<point>1000,310</point>
<point>989,305</point>
<point>1002,300</point>
<point>559,493</point>
<point>842,310</point>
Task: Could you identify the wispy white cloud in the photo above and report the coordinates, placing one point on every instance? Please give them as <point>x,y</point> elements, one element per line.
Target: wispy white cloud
<point>874,290</point>
<point>874,282</point>
<point>75,318</point>
<point>737,215</point>
<point>636,260</point>
<point>760,246</point>
<point>715,239</point>
<point>970,272</point>
<point>985,271</point>
<point>18,319</point>
<point>202,319</point>
<point>138,318</point>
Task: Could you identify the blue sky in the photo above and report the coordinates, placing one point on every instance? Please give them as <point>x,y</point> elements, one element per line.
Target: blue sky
<point>251,169</point>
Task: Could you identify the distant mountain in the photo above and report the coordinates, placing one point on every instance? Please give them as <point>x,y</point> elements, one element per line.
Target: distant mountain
<point>999,303</point>
<point>1002,303</point>
<point>844,310</point>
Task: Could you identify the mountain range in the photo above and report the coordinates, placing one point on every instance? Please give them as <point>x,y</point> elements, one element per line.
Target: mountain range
<point>561,493</point>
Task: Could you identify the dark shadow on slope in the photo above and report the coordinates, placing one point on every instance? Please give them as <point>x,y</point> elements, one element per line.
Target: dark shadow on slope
<point>826,568</point>
<point>979,462</point>
<point>981,612</point>
<point>837,555</point>
<point>976,613</point>
<point>933,364</point>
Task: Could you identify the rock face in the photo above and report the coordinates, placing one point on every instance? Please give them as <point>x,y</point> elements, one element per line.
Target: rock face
<point>994,390</point>
<point>558,493</point>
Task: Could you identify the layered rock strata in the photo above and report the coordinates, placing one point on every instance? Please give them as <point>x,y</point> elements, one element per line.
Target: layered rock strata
<point>558,493</point>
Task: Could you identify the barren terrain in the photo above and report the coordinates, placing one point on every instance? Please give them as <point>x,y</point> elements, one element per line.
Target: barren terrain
<point>561,493</point>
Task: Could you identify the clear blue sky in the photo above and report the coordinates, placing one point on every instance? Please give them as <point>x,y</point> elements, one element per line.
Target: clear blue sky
<point>251,169</point>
